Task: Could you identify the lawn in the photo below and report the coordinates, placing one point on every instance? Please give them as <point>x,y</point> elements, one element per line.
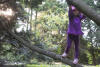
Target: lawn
<point>56,65</point>
<point>47,66</point>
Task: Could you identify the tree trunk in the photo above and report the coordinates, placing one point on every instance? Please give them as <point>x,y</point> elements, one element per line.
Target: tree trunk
<point>45,52</point>
<point>84,8</point>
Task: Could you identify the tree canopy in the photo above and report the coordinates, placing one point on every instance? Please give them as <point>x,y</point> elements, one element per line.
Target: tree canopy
<point>34,29</point>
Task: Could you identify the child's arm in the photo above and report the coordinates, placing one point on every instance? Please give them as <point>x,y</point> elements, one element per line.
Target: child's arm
<point>82,16</point>
<point>70,12</point>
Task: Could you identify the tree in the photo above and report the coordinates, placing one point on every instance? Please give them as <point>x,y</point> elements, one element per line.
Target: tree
<point>89,12</point>
<point>49,27</point>
<point>44,52</point>
<point>92,35</point>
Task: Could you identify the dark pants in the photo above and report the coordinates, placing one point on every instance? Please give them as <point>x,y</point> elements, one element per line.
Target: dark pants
<point>74,38</point>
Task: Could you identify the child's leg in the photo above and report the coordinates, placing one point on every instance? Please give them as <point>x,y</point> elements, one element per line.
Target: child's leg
<point>76,41</point>
<point>69,42</point>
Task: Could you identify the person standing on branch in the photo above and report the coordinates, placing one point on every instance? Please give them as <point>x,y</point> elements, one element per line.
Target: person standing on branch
<point>74,31</point>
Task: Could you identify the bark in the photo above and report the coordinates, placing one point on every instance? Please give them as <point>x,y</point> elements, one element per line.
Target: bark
<point>84,8</point>
<point>45,52</point>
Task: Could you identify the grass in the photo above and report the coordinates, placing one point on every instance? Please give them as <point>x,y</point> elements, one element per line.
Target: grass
<point>92,66</point>
<point>47,66</point>
<point>59,65</point>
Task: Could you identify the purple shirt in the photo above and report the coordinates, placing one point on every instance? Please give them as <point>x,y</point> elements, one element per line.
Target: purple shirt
<point>74,26</point>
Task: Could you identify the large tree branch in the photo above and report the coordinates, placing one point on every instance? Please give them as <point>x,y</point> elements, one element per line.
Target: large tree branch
<point>45,52</point>
<point>84,8</point>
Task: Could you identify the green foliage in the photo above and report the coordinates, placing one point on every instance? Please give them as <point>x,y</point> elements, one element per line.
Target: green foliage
<point>31,3</point>
<point>46,24</point>
<point>51,25</point>
<point>89,58</point>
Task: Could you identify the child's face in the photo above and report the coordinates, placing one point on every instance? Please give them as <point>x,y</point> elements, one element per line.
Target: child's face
<point>76,12</point>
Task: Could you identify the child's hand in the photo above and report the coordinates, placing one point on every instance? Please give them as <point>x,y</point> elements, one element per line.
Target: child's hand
<point>81,14</point>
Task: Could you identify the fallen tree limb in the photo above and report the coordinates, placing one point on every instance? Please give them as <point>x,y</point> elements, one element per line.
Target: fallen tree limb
<point>84,8</point>
<point>45,52</point>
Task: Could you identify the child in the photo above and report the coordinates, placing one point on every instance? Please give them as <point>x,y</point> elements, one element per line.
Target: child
<point>74,31</point>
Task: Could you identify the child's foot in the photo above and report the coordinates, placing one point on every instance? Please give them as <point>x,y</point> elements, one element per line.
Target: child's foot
<point>75,61</point>
<point>64,54</point>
